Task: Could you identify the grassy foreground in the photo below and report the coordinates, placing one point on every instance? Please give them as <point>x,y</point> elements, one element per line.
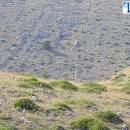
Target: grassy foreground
<point>32,103</point>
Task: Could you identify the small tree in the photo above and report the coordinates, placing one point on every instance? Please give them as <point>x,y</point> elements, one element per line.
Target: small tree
<point>47,45</point>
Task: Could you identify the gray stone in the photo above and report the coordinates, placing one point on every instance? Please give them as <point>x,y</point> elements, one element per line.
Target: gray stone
<point>124,127</point>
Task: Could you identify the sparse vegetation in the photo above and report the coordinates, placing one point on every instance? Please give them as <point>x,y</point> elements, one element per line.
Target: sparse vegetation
<point>119,78</point>
<point>24,85</point>
<point>33,82</point>
<point>63,84</point>
<point>57,127</point>
<point>109,116</point>
<point>59,107</point>
<point>59,50</point>
<point>82,102</point>
<point>126,87</point>
<point>62,106</point>
<point>7,128</point>
<point>26,104</point>
<point>88,124</point>
<point>51,110</point>
<point>94,88</point>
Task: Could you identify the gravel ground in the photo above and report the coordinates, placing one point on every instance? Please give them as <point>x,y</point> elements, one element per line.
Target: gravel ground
<point>99,28</point>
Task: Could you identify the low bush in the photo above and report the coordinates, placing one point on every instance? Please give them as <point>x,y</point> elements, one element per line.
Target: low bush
<point>62,106</point>
<point>63,84</point>
<point>88,124</point>
<point>109,116</point>
<point>26,104</point>
<point>33,82</point>
<point>94,88</point>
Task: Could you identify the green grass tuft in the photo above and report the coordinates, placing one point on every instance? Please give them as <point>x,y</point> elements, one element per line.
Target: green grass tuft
<point>109,116</point>
<point>63,84</point>
<point>94,88</point>
<point>62,106</point>
<point>119,78</point>
<point>33,82</point>
<point>88,124</point>
<point>82,102</point>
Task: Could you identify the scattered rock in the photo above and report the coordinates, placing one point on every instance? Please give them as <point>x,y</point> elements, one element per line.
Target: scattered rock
<point>24,120</point>
<point>119,114</point>
<point>124,127</point>
<point>33,98</point>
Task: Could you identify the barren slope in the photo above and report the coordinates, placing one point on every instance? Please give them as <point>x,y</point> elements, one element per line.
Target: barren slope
<point>99,26</point>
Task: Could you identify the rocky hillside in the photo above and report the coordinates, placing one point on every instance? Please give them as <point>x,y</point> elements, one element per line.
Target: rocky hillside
<point>70,39</point>
<point>32,103</point>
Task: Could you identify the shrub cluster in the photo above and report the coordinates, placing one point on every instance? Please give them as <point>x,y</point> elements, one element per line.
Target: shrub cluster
<point>63,84</point>
<point>109,116</point>
<point>33,82</point>
<point>26,104</point>
<point>88,124</point>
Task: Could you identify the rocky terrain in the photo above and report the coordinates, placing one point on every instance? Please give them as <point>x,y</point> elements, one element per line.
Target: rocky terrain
<point>68,39</point>
<point>33,103</point>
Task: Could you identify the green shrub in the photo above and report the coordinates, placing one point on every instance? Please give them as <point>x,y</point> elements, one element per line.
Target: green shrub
<point>109,116</point>
<point>62,107</point>
<point>88,124</point>
<point>57,107</point>
<point>47,45</point>
<point>89,104</point>
<point>33,82</point>
<point>33,79</point>
<point>26,104</point>
<point>94,88</point>
<point>63,84</point>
